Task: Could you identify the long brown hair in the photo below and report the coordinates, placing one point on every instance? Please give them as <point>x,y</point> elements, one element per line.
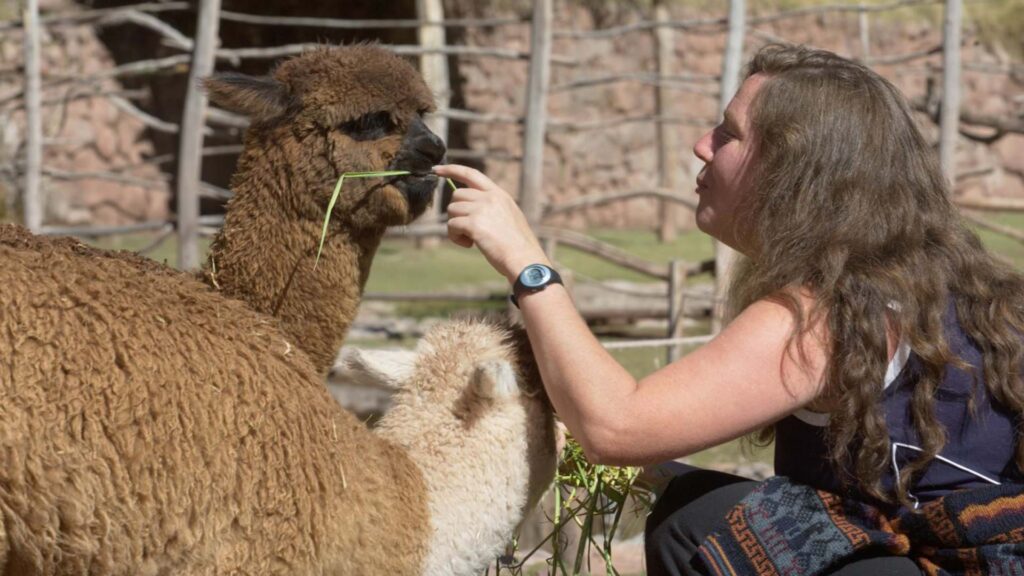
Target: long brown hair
<point>850,203</point>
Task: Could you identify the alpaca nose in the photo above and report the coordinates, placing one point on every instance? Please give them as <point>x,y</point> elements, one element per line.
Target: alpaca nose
<point>425,143</point>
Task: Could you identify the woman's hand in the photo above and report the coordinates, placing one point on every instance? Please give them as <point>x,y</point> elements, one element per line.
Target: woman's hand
<point>486,216</point>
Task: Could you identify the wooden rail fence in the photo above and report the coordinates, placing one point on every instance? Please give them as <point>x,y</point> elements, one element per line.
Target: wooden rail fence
<point>200,55</point>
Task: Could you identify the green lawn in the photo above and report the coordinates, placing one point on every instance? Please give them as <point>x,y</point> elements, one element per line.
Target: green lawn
<point>399,267</point>
<point>1001,244</point>
<point>166,253</point>
<point>449,266</point>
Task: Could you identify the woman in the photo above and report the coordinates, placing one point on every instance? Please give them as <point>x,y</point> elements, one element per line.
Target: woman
<point>855,264</point>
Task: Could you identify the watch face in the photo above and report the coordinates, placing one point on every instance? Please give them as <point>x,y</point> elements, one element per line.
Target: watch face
<point>534,276</point>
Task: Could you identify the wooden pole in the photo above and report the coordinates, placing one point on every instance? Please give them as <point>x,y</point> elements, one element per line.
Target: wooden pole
<point>668,147</point>
<point>434,67</point>
<point>531,180</point>
<point>731,63</point>
<point>190,145</point>
<point>949,115</point>
<point>676,302</point>
<point>863,19</point>
<point>32,203</point>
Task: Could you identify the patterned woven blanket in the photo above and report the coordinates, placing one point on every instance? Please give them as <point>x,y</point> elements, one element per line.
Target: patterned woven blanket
<point>785,528</point>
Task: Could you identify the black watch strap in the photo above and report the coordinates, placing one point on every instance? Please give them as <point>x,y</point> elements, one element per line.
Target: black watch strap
<point>525,283</point>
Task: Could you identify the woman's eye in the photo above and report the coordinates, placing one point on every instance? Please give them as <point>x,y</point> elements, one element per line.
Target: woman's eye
<point>368,126</point>
<point>721,136</point>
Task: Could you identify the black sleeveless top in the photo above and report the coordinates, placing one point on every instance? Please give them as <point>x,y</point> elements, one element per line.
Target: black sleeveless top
<point>980,445</point>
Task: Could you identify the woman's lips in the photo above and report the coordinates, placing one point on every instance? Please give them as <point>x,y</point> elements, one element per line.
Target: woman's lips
<point>701,179</point>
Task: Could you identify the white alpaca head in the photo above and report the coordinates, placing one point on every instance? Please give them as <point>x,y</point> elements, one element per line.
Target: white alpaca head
<point>394,369</point>
<point>459,372</point>
<point>470,408</point>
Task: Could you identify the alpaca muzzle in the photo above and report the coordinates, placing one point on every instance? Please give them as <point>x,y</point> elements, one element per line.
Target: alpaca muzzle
<point>421,150</point>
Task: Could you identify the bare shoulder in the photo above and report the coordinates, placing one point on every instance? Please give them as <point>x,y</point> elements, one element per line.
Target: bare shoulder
<point>760,368</point>
<point>790,319</point>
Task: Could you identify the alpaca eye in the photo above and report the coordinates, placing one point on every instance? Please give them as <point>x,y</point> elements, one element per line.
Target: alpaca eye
<point>368,126</point>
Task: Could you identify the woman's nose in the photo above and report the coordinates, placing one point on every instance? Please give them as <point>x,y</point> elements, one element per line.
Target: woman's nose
<point>702,149</point>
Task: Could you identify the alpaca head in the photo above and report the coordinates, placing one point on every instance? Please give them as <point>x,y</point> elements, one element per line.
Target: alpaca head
<point>468,384</point>
<point>334,110</point>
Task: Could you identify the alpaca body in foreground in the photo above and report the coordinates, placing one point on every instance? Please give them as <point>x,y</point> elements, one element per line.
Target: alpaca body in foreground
<point>150,426</point>
<point>319,115</point>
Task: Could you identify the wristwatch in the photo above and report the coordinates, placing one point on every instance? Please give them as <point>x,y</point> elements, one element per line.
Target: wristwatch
<point>533,278</point>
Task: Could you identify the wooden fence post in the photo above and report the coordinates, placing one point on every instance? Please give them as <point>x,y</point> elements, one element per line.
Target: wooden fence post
<point>531,179</point>
<point>676,303</point>
<point>864,22</point>
<point>731,63</point>
<point>32,203</point>
<point>434,67</point>
<point>949,119</point>
<point>190,145</point>
<point>668,148</point>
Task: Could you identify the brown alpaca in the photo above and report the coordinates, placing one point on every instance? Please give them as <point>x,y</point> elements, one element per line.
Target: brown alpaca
<point>149,425</point>
<point>326,112</point>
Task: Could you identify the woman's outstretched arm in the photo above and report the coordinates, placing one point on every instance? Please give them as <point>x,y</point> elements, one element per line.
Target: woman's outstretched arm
<point>745,378</point>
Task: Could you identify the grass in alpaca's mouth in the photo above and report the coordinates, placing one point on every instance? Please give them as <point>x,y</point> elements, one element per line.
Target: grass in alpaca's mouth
<point>337,192</point>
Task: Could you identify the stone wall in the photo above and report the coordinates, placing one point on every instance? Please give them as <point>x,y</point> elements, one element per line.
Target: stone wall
<point>82,133</point>
<point>92,135</point>
<point>624,157</point>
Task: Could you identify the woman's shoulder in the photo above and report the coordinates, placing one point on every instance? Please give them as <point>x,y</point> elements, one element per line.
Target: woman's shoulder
<point>794,315</point>
<point>788,330</point>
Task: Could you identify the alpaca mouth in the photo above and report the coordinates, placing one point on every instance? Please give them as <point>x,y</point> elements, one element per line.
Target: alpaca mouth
<point>418,189</point>
<point>421,149</point>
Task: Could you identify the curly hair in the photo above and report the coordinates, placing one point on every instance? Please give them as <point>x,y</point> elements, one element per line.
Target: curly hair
<point>850,203</point>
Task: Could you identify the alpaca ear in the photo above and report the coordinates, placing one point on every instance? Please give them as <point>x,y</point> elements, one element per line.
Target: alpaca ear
<point>258,97</point>
<point>494,379</point>
<point>380,368</point>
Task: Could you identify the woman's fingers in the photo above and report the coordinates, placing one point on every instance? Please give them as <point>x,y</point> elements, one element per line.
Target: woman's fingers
<point>471,176</point>
<point>458,231</point>
<point>468,195</point>
<point>483,215</point>
<point>459,208</point>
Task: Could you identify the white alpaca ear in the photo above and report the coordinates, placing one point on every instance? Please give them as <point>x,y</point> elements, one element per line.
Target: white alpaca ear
<point>383,368</point>
<point>494,379</point>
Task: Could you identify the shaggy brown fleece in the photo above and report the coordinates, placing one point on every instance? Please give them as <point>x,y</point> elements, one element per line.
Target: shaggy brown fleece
<point>294,153</point>
<point>19,237</point>
<point>150,426</point>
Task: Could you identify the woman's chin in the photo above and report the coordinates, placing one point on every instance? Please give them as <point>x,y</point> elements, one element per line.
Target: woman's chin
<point>707,226</point>
<point>704,222</point>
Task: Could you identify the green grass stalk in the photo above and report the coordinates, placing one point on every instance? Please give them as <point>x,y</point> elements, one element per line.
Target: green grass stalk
<point>337,192</point>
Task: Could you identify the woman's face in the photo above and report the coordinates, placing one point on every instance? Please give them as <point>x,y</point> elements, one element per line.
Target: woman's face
<point>728,154</point>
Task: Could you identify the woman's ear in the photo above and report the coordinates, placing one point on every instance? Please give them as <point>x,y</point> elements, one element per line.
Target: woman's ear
<point>260,98</point>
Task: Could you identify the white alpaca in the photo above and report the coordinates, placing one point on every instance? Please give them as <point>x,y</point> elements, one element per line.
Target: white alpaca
<point>487,450</point>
